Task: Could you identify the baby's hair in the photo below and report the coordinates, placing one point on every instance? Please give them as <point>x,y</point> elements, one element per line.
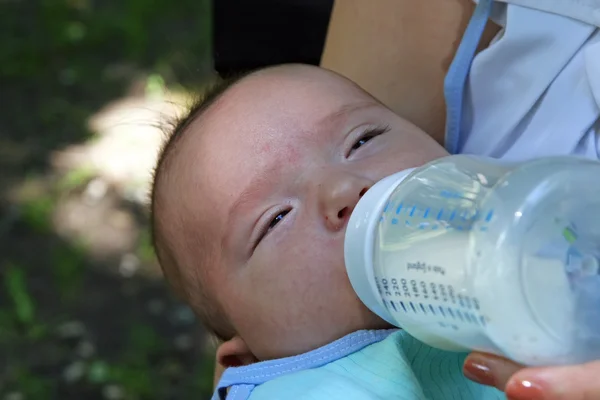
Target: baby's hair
<point>209,313</point>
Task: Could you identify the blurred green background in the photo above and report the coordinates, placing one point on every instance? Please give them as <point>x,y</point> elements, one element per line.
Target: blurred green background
<point>86,89</point>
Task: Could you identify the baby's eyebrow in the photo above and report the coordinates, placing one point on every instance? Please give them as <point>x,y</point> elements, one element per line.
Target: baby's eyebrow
<point>247,196</point>
<point>347,109</point>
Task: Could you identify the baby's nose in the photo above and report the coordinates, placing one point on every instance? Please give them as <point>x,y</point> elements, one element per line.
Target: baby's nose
<point>339,197</point>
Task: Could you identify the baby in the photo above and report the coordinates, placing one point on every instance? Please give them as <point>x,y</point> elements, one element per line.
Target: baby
<point>250,202</point>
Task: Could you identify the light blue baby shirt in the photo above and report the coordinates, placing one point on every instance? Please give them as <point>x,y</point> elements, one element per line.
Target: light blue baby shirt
<point>364,365</point>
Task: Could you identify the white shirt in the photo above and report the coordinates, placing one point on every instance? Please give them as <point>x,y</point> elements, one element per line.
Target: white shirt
<point>535,91</point>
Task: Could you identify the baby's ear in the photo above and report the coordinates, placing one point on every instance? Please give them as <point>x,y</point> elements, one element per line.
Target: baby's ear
<point>235,353</point>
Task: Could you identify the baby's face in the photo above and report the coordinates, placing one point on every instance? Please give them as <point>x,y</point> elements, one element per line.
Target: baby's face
<point>276,168</point>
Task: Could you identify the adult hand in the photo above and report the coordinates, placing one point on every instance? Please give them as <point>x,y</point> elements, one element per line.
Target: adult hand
<point>577,382</point>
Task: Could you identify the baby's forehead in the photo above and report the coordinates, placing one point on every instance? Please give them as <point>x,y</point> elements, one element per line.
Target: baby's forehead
<point>292,98</point>
<point>311,79</point>
<point>275,107</point>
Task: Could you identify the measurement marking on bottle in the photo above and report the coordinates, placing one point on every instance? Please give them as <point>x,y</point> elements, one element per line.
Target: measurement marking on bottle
<point>454,313</point>
<point>460,213</point>
<point>443,217</point>
<point>432,226</point>
<point>468,301</point>
<point>399,209</point>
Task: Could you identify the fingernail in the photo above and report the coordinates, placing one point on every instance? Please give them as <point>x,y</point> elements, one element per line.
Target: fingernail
<point>518,389</point>
<point>476,370</point>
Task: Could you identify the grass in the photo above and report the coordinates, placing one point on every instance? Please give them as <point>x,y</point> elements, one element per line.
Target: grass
<point>69,270</point>
<point>145,250</point>
<point>16,287</point>
<point>37,213</point>
<point>32,386</point>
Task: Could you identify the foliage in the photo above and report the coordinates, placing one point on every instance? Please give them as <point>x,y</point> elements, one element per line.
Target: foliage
<point>70,328</point>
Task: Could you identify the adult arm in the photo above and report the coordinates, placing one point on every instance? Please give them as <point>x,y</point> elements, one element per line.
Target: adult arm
<point>400,51</point>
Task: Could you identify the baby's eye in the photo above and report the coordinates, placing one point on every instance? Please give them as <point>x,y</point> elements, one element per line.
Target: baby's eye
<point>367,136</point>
<point>361,142</point>
<point>266,228</point>
<point>279,217</point>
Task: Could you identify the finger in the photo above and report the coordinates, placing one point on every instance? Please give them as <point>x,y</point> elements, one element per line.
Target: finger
<point>489,369</point>
<point>579,382</point>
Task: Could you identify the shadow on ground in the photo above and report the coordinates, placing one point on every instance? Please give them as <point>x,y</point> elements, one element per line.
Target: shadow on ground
<point>83,311</point>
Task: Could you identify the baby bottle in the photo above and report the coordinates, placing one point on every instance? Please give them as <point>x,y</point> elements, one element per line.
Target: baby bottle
<point>469,253</point>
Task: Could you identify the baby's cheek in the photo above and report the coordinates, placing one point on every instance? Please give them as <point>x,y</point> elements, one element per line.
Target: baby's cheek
<point>325,279</point>
<point>265,148</point>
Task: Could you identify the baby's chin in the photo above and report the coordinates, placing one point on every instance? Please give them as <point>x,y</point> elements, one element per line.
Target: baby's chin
<point>312,337</point>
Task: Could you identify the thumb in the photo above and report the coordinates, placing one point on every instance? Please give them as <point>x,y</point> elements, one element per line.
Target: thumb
<point>489,369</point>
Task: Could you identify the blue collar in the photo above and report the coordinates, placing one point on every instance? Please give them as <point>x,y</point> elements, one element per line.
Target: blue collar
<point>242,380</point>
<point>456,78</point>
